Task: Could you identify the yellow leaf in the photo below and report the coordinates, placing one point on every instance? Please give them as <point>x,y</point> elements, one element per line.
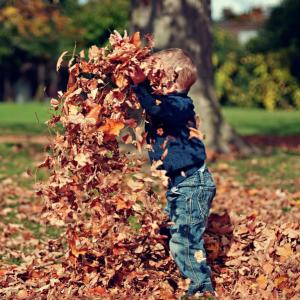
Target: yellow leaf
<point>121,81</point>
<point>262,281</point>
<point>285,251</point>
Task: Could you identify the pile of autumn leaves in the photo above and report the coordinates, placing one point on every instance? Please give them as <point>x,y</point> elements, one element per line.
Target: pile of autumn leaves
<point>113,218</point>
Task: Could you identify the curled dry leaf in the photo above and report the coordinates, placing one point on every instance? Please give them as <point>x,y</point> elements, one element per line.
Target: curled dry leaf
<point>60,60</point>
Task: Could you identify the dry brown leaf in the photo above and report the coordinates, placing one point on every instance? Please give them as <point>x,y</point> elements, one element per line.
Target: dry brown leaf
<point>60,60</point>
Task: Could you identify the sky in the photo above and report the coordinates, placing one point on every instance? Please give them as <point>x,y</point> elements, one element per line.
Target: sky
<point>239,5</point>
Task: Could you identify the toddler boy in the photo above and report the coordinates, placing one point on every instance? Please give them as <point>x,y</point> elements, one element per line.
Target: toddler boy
<point>191,188</point>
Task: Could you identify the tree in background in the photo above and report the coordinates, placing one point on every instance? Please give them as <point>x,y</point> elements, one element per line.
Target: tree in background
<point>281,33</point>
<point>98,19</point>
<point>187,25</point>
<point>264,72</point>
<point>34,33</point>
<point>250,79</point>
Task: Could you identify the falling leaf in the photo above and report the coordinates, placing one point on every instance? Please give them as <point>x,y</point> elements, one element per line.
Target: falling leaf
<point>136,39</point>
<point>60,60</point>
<point>112,127</point>
<point>94,113</point>
<point>121,81</point>
<point>54,103</point>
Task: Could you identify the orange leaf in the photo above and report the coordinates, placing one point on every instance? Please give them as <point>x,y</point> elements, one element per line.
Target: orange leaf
<point>72,245</point>
<point>268,268</point>
<point>280,280</point>
<point>136,39</point>
<point>262,281</point>
<point>94,113</point>
<point>112,127</point>
<point>121,203</point>
<point>97,291</point>
<point>121,81</point>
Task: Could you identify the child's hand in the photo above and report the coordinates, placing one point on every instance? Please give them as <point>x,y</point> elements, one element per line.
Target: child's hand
<point>137,75</point>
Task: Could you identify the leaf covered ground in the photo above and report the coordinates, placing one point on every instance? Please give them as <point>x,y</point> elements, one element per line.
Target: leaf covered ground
<point>105,208</point>
<point>252,238</point>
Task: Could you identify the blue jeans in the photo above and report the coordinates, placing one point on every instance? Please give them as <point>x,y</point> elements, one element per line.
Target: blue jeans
<point>188,205</point>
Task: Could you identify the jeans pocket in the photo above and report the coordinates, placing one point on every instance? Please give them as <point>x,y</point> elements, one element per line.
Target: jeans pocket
<point>176,204</point>
<point>206,178</point>
<point>200,204</point>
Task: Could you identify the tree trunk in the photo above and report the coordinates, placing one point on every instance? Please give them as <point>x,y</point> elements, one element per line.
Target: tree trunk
<point>7,90</point>
<point>41,82</point>
<point>186,24</point>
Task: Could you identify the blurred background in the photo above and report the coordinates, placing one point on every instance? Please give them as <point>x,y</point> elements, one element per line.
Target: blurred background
<point>255,57</point>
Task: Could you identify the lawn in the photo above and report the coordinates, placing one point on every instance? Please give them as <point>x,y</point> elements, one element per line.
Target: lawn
<point>23,119</point>
<point>250,121</point>
<point>29,118</point>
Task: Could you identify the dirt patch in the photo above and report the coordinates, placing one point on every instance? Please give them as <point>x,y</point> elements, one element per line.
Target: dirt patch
<point>25,139</point>
<point>287,142</point>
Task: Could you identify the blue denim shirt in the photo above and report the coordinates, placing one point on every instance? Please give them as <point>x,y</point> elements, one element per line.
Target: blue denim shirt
<point>167,130</point>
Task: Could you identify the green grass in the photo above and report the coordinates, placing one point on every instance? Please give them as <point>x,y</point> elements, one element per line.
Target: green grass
<point>29,119</point>
<point>15,161</point>
<point>22,119</point>
<point>248,121</point>
<point>275,169</point>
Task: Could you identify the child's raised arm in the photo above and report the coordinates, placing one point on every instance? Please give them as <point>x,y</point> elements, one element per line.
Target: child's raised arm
<point>169,108</point>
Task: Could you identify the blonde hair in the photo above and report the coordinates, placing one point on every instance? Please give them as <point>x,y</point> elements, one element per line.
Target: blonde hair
<point>178,64</point>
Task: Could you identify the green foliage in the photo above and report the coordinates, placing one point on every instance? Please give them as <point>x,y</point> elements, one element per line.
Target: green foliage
<point>98,18</point>
<point>41,30</point>
<point>281,32</point>
<point>32,30</point>
<point>252,79</point>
